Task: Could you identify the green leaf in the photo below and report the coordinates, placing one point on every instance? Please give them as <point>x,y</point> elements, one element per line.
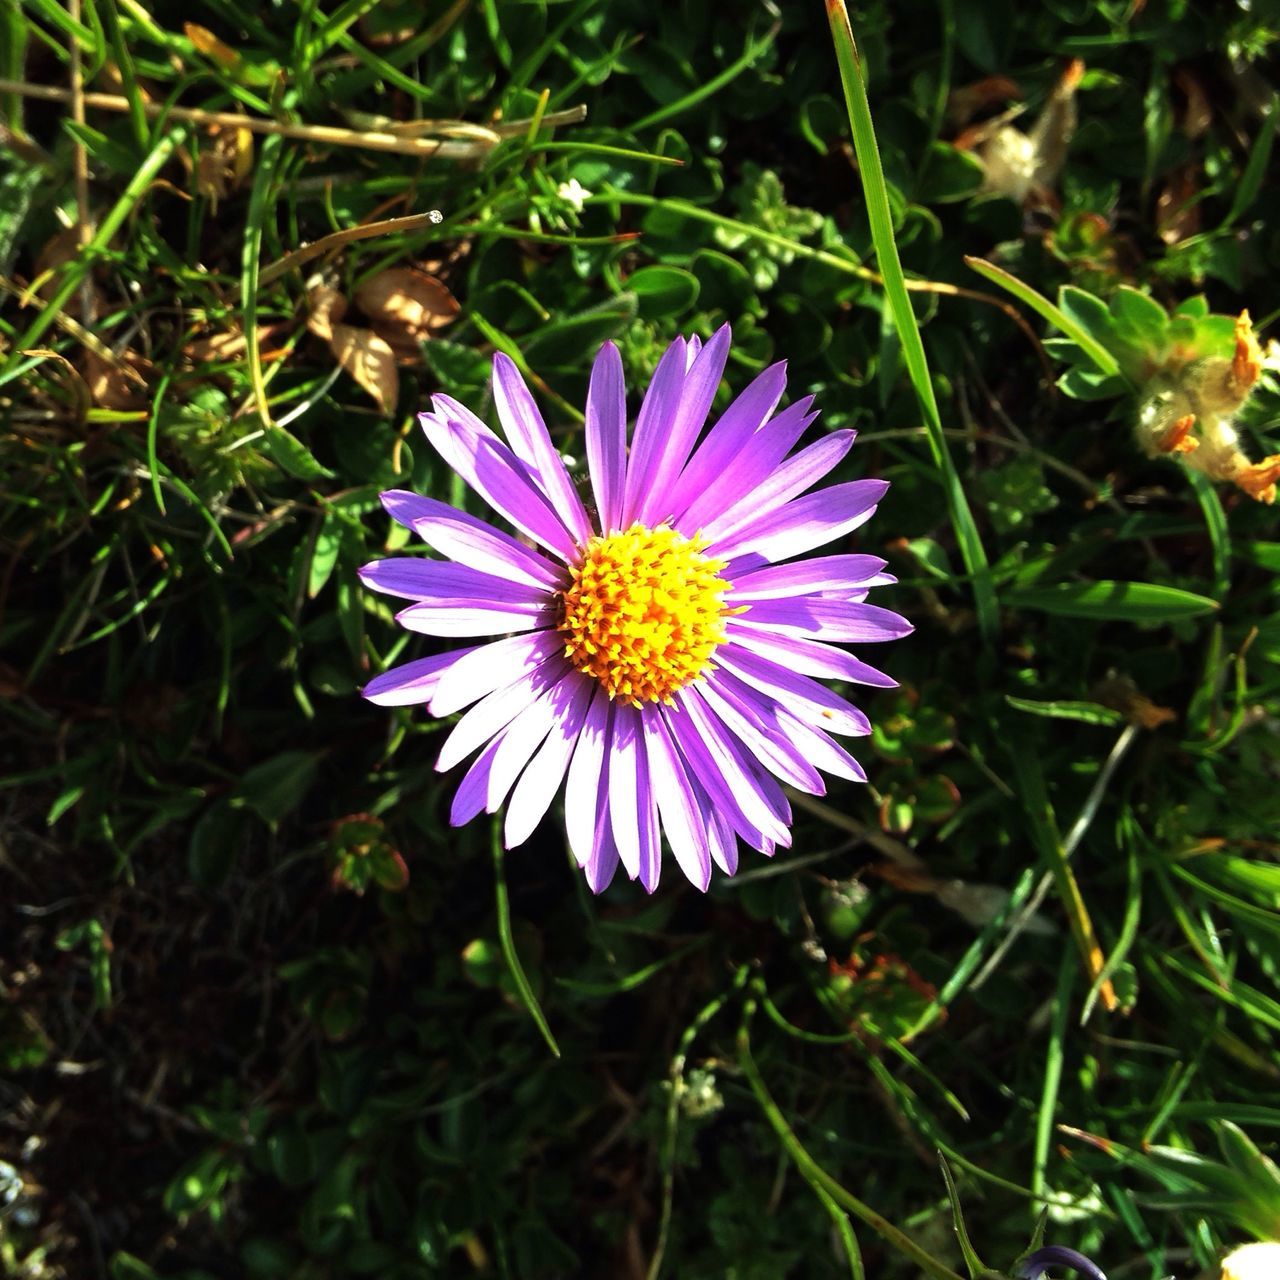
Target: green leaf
<point>948,174</point>
<point>324,554</point>
<point>1265,554</point>
<point>1195,307</point>
<point>124,1266</point>
<point>1084,712</point>
<point>106,151</point>
<point>1077,332</point>
<point>563,341</point>
<point>1091,384</point>
<point>1088,314</point>
<point>663,292</point>
<point>1113,601</point>
<point>1140,320</point>
<point>292,456</point>
<point>973,1264</point>
<point>18,188</point>
<point>275,789</point>
<point>217,837</point>
<point>1243,1156</point>
<point>1255,168</point>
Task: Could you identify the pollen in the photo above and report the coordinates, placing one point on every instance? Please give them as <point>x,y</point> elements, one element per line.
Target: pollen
<point>644,612</point>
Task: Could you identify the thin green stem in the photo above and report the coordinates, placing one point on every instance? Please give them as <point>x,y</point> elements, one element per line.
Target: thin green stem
<point>814,1174</point>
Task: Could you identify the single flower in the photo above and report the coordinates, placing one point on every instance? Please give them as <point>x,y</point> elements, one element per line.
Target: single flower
<point>661,644</point>
<point>1252,1262</point>
<point>1055,1255</point>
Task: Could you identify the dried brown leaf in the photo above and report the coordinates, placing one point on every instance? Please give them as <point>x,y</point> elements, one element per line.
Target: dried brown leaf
<point>1177,209</point>
<point>225,162</point>
<point>971,100</point>
<point>226,344</point>
<point>111,385</point>
<point>70,377</point>
<point>58,250</point>
<point>327,306</point>
<point>208,44</point>
<point>1197,115</point>
<point>369,360</point>
<point>110,80</point>
<point>406,305</point>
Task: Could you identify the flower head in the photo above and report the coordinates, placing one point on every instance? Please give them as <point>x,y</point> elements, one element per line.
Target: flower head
<point>659,646</point>
<point>1055,1255</point>
<point>1252,1262</point>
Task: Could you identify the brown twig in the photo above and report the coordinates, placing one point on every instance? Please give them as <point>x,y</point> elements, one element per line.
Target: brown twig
<point>323,135</point>
<point>80,166</point>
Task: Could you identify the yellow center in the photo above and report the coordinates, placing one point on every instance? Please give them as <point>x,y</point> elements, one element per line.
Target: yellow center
<point>643,612</point>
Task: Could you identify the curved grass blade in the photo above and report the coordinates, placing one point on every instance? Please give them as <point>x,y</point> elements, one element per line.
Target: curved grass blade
<point>1054,314</point>
<point>505,937</point>
<point>904,319</point>
<point>816,1176</point>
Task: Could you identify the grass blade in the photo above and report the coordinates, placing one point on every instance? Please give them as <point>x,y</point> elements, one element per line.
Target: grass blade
<point>1054,314</point>
<point>904,319</point>
<point>816,1176</point>
<point>1108,601</point>
<point>506,938</point>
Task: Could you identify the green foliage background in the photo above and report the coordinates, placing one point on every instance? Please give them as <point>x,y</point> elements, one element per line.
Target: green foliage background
<point>217,1058</point>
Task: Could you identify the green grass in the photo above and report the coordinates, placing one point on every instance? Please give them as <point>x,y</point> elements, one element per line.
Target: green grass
<point>1042,942</point>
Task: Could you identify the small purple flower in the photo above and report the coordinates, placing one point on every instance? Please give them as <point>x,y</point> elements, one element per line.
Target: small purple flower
<point>1055,1255</point>
<point>659,648</point>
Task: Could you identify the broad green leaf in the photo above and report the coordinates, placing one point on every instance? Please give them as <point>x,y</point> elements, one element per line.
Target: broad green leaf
<point>663,292</point>
<point>292,456</point>
<point>273,790</point>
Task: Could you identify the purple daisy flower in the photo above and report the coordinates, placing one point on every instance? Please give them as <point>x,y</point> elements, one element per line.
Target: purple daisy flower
<point>659,652</point>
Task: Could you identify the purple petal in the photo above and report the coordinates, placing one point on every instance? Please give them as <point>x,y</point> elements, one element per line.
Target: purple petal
<point>808,743</point>
<point>496,474</point>
<point>804,523</point>
<point>750,468</point>
<point>490,667</point>
<point>469,541</point>
<point>607,437</point>
<point>806,656</point>
<point>604,855</point>
<point>818,618</point>
<point>412,682</point>
<point>650,839</point>
<point>723,842</point>
<point>587,781</point>
<point>498,709</point>
<point>541,780</point>
<point>682,818</point>
<point>470,797</point>
<point>807,699</point>
<point>822,573</point>
<point>800,472</point>
<point>531,442</point>
<point>657,411</point>
<point>759,735</point>
<point>463,617</point>
<point>418,579</point>
<point>628,787</point>
<point>1056,1255</point>
<point>719,762</point>
<point>521,738</point>
<point>672,450</point>
<point>730,435</point>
